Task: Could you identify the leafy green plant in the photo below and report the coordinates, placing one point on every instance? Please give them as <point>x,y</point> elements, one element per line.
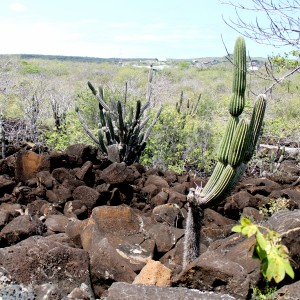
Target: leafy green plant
<point>273,255</point>
<point>71,132</point>
<point>264,294</point>
<point>274,206</point>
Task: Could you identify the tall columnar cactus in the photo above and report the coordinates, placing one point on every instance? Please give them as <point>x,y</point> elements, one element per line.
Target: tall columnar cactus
<point>121,137</point>
<point>235,150</point>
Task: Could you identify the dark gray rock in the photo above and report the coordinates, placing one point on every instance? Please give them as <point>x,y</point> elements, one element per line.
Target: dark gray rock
<point>19,229</point>
<point>288,292</point>
<point>54,270</point>
<point>210,272</point>
<point>121,291</point>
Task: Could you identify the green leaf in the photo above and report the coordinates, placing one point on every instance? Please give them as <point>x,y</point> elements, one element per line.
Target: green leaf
<point>276,267</point>
<point>236,228</point>
<point>261,253</point>
<point>261,241</point>
<point>288,269</point>
<point>249,230</point>
<point>245,222</point>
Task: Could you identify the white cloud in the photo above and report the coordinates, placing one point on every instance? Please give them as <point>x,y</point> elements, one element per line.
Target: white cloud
<point>17,7</point>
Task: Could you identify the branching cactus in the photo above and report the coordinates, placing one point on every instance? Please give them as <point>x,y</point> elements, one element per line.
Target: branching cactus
<point>122,137</point>
<point>236,149</point>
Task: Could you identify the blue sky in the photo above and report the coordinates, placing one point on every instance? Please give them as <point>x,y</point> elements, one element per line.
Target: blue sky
<point>119,28</point>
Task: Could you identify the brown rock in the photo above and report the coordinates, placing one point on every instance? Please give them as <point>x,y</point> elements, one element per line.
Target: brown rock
<point>28,164</point>
<point>107,265</point>
<point>58,195</point>
<point>237,202</point>
<point>290,167</point>
<point>116,173</point>
<point>288,292</point>
<point>150,190</point>
<point>57,223</point>
<point>76,209</point>
<point>4,218</point>
<point>79,153</point>
<point>262,186</point>
<point>47,261</point>
<point>159,199</point>
<point>179,188</point>
<point>6,185</point>
<point>165,236</point>
<point>239,250</point>
<point>154,273</point>
<point>210,272</point>
<point>13,209</point>
<point>34,208</point>
<point>252,213</point>
<point>87,196</point>
<point>116,219</point>
<point>169,214</point>
<point>289,193</point>
<point>57,159</point>
<point>85,172</point>
<point>46,179</point>
<point>19,229</point>
<point>158,181</point>
<point>177,198</point>
<point>62,174</point>
<point>288,222</point>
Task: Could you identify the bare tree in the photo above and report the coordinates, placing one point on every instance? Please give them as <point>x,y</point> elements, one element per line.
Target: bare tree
<point>275,22</point>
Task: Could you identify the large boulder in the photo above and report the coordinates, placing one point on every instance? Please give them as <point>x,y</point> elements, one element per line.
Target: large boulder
<point>54,270</point>
<point>121,291</point>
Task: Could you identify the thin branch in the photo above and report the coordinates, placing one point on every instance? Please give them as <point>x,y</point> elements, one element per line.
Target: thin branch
<point>278,81</point>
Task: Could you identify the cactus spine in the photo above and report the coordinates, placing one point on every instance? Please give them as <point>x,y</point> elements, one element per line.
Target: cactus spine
<point>235,150</point>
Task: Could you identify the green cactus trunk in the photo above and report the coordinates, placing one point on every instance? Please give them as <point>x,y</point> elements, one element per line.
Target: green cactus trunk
<point>235,150</point>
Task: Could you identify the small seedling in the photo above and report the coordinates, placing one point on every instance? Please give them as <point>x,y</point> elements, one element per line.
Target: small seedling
<point>273,255</point>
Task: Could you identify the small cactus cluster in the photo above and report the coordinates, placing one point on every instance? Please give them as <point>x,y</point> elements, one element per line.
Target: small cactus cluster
<point>189,109</point>
<point>121,137</point>
<point>236,149</point>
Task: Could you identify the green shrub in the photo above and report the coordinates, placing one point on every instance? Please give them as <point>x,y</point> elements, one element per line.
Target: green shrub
<point>71,133</point>
<point>181,144</point>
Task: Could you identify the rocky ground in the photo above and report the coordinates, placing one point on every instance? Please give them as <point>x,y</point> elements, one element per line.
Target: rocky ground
<point>74,226</point>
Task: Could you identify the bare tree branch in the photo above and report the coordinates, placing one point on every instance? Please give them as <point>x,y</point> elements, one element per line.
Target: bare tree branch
<point>276,23</point>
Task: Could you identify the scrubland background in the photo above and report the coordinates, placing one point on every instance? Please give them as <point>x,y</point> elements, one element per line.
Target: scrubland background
<point>33,88</point>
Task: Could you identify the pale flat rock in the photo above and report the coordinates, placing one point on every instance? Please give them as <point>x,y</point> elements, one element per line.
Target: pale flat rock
<point>121,291</point>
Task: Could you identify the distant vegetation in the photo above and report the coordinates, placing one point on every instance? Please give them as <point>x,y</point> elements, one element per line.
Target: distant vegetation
<point>42,92</point>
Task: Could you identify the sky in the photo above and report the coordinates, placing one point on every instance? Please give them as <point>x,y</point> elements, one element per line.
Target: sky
<point>120,28</point>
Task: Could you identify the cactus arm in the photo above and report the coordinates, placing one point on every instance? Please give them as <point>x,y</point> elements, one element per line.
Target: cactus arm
<point>221,185</point>
<point>85,127</point>
<point>213,178</point>
<point>101,141</point>
<point>148,131</point>
<point>255,124</point>
<point>237,147</point>
<point>237,102</point>
<point>222,155</point>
